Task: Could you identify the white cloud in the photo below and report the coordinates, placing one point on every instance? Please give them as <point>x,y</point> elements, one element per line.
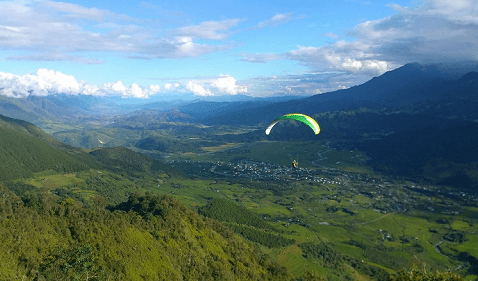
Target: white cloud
<point>59,31</point>
<point>54,57</point>
<point>117,87</point>
<point>74,11</point>
<point>275,20</point>
<point>198,89</point>
<point>212,86</point>
<point>261,58</point>
<point>213,30</point>
<point>331,35</point>
<point>41,84</point>
<point>302,84</point>
<point>171,86</point>
<point>46,82</point>
<point>436,31</point>
<point>459,11</point>
<point>227,84</point>
<point>154,88</point>
<point>354,57</point>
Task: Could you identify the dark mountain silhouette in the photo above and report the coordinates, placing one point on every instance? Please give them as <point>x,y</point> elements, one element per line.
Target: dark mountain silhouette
<point>406,120</point>
<point>411,85</point>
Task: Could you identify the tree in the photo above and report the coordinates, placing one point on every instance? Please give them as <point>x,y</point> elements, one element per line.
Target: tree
<point>416,274</point>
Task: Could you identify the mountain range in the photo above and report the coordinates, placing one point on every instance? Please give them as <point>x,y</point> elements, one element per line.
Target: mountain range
<point>416,122</point>
<point>406,120</point>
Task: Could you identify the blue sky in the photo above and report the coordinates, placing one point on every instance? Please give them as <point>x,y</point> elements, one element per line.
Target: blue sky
<point>145,48</point>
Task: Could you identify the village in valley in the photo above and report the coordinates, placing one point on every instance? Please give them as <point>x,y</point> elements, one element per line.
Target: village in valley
<point>386,194</point>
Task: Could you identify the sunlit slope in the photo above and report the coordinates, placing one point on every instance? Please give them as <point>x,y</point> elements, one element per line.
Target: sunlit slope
<point>53,225</point>
<point>29,129</point>
<point>145,238</point>
<point>22,154</point>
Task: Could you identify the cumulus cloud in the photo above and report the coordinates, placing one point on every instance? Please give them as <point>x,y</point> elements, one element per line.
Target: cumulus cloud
<point>45,82</point>
<point>49,82</point>
<point>224,84</point>
<point>58,31</point>
<point>171,86</point>
<point>198,90</point>
<point>436,31</point>
<point>300,84</point>
<point>227,84</point>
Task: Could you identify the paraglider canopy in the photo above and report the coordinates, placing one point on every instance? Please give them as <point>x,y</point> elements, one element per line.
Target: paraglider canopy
<point>309,121</point>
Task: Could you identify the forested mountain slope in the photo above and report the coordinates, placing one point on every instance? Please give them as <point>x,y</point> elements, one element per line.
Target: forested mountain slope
<point>29,129</point>
<point>73,232</point>
<point>23,154</point>
<point>145,238</point>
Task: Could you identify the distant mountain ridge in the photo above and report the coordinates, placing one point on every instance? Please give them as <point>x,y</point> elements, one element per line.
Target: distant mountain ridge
<point>71,108</point>
<point>412,84</point>
<point>419,108</point>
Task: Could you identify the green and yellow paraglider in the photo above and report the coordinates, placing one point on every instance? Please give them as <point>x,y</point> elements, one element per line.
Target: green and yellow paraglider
<point>309,121</point>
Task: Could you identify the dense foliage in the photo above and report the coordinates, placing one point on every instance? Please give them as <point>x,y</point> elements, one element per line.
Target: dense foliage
<point>22,154</point>
<point>270,240</point>
<point>330,257</point>
<point>244,222</point>
<point>226,211</point>
<point>147,238</point>
<point>415,274</point>
<point>83,218</point>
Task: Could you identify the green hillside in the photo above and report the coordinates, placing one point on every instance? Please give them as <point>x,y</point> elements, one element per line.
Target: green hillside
<point>115,214</point>
<point>62,241</point>
<point>120,160</point>
<point>23,154</point>
<point>29,129</point>
<point>62,219</point>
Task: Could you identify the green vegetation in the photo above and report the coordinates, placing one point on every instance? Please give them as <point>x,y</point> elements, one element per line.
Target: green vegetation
<point>226,211</point>
<point>146,237</point>
<point>29,129</point>
<point>424,275</point>
<point>122,160</point>
<point>269,240</point>
<point>21,155</point>
<point>330,257</point>
<point>244,222</point>
<point>115,214</point>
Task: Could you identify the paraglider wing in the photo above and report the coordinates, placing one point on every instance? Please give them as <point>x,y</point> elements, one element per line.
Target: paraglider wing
<point>309,121</point>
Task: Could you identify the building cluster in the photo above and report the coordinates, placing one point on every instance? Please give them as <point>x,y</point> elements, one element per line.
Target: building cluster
<point>386,196</point>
